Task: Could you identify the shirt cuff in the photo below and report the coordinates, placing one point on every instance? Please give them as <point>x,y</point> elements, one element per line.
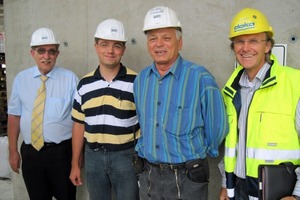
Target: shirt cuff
<point>296,191</point>
<point>222,171</point>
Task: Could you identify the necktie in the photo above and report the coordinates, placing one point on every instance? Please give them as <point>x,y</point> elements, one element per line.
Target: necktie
<point>37,139</point>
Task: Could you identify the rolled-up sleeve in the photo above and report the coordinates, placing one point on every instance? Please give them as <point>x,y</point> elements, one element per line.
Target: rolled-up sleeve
<point>14,105</point>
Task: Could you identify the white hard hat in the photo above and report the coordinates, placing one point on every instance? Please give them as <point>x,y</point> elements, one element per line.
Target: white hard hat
<point>161,17</point>
<point>111,29</point>
<point>43,36</point>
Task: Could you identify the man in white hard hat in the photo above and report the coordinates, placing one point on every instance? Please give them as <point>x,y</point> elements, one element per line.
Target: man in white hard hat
<point>181,114</point>
<point>105,120</point>
<point>46,157</point>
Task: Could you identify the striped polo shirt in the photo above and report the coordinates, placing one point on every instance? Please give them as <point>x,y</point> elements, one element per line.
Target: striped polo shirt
<point>107,110</point>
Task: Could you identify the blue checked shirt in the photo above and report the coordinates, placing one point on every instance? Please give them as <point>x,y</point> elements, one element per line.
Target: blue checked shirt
<point>181,114</point>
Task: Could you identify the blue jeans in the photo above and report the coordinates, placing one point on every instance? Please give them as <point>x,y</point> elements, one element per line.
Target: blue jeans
<point>110,171</point>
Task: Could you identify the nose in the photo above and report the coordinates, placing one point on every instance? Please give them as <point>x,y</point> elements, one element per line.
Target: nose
<point>246,45</point>
<point>46,54</point>
<point>159,42</point>
<point>110,48</point>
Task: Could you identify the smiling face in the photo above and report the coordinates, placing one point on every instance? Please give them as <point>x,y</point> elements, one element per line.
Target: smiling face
<point>250,51</point>
<point>163,46</point>
<point>45,57</point>
<point>109,52</point>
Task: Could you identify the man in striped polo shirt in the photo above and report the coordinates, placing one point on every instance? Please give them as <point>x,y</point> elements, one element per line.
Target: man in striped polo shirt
<point>105,120</point>
<point>181,114</point>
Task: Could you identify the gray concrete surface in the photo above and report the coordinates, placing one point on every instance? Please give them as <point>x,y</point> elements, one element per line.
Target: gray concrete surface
<point>6,189</point>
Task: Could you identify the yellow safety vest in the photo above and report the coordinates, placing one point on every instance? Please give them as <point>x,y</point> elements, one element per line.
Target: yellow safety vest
<point>271,134</point>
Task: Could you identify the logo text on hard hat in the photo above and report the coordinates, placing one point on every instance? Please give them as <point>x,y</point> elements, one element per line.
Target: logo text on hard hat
<point>44,37</point>
<point>156,16</point>
<point>244,26</point>
<point>114,30</point>
<point>156,13</point>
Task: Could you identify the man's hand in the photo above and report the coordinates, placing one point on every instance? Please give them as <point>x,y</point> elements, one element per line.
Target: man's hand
<point>75,176</point>
<point>15,161</point>
<point>223,194</point>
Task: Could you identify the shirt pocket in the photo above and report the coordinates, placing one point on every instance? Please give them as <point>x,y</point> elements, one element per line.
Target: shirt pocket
<point>55,107</point>
<point>179,123</point>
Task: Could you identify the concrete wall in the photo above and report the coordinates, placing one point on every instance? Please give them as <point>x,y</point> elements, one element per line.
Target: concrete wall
<point>205,33</point>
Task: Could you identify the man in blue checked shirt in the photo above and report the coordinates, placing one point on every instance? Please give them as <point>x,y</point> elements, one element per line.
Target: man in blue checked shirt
<point>181,115</point>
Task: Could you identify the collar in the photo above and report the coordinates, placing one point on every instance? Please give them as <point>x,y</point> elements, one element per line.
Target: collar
<point>37,73</point>
<point>269,78</point>
<point>121,73</point>
<point>244,81</point>
<point>174,69</point>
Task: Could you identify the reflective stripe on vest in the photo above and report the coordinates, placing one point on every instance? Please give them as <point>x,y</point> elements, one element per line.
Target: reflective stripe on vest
<point>230,152</point>
<point>273,154</point>
<point>230,193</point>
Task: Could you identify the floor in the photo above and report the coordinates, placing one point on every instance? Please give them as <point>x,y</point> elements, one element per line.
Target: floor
<point>6,187</point>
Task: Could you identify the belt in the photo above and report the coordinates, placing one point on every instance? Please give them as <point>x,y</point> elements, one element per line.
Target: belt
<point>52,144</point>
<point>166,165</point>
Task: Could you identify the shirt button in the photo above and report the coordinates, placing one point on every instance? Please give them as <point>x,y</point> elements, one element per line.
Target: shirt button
<point>158,103</point>
<point>157,146</point>
<point>157,124</point>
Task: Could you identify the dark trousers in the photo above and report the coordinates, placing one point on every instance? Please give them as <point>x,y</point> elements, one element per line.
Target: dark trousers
<point>46,172</point>
<point>241,191</point>
<point>168,183</point>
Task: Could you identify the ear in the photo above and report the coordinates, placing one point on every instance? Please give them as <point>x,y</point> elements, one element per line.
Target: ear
<point>268,47</point>
<point>32,52</point>
<point>96,48</point>
<point>124,49</point>
<point>180,43</point>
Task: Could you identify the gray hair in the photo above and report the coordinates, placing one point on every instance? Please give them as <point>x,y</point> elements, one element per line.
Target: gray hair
<point>178,33</point>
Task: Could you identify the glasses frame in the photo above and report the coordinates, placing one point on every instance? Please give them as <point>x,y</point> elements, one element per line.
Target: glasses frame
<point>42,51</point>
<point>252,42</point>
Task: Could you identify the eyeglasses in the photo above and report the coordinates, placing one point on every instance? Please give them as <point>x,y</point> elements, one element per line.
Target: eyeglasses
<point>105,45</point>
<point>252,43</point>
<point>42,51</point>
